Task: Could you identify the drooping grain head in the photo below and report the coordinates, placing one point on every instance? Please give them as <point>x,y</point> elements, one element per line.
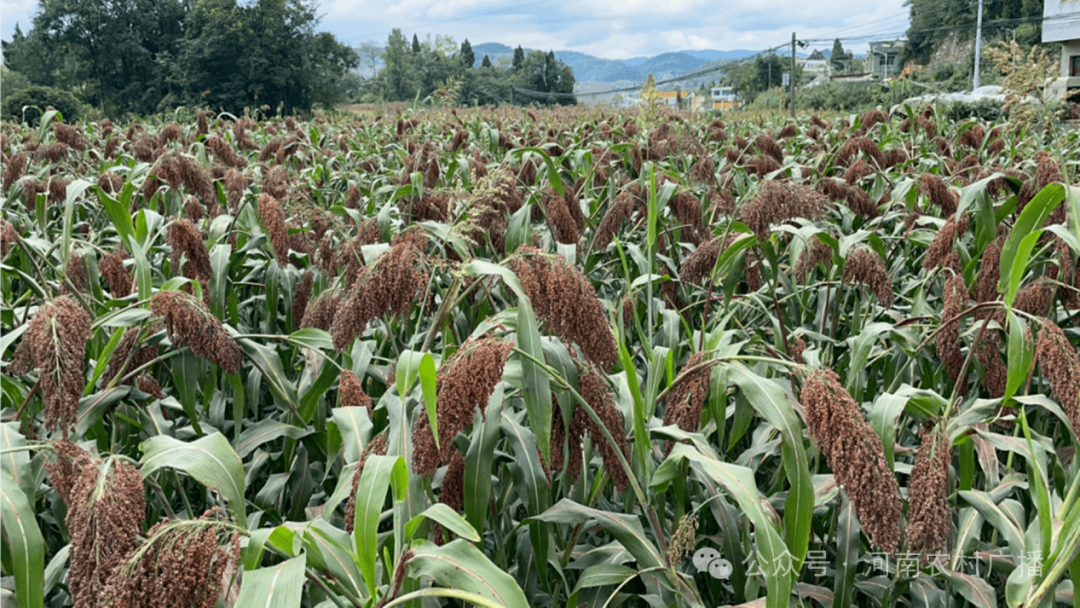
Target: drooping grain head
<point>301,297</point>
<point>181,563</point>
<point>865,266</point>
<point>996,373</point>
<point>1060,364</point>
<point>929,516</point>
<point>595,391</point>
<point>104,520</point>
<point>986,286</point>
<point>351,392</point>
<point>855,454</point>
<point>389,286</point>
<point>189,323</point>
<point>934,188</point>
<point>954,298</point>
<point>816,252</point>
<point>65,466</point>
<point>566,301</point>
<point>188,256</point>
<point>941,248</point>
<point>463,384</point>
<point>320,312</point>
<point>686,400</point>
<point>687,210</point>
<point>778,202</point>
<point>56,339</point>
<point>1036,298</point>
<point>273,219</point>
<point>129,348</point>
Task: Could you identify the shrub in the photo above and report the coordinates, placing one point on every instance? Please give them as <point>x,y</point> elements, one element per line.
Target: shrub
<point>983,109</point>
<point>36,99</point>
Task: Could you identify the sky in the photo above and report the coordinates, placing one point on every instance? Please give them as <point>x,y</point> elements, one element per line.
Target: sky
<point>612,29</point>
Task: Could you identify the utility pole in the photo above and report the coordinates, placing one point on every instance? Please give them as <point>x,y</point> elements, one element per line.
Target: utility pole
<point>978,44</point>
<point>792,79</point>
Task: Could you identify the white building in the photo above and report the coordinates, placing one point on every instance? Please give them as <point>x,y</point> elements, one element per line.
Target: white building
<point>1060,24</point>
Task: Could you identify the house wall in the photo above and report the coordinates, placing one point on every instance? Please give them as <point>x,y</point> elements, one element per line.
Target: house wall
<point>1065,84</point>
<point>1069,49</point>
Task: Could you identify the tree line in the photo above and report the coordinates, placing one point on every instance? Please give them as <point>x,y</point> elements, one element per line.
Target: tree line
<point>441,70</point>
<point>933,20</point>
<point>143,56</point>
<point>147,56</point>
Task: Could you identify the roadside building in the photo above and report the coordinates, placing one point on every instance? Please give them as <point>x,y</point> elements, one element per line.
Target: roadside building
<point>1059,27</point>
<point>883,59</point>
<point>724,98</point>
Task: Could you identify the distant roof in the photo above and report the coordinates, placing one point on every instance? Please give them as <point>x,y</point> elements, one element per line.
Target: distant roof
<point>1059,30</point>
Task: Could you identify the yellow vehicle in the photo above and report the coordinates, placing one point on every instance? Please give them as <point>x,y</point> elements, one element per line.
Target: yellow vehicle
<point>725,98</point>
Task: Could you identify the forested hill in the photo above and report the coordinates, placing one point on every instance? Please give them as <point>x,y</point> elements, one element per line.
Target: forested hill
<point>588,68</point>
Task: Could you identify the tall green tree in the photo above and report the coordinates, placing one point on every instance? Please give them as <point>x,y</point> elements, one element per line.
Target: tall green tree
<point>397,74</point>
<point>106,52</point>
<point>267,53</point>
<point>486,63</point>
<point>839,57</point>
<point>415,45</point>
<point>468,58</point>
<point>141,56</point>
<point>519,58</point>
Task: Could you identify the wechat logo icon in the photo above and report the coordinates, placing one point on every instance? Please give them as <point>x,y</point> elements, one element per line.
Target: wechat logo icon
<point>709,559</point>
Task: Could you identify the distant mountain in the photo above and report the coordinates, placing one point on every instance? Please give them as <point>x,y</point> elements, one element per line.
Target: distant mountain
<point>670,65</point>
<point>709,55</point>
<point>590,69</point>
<point>594,69</point>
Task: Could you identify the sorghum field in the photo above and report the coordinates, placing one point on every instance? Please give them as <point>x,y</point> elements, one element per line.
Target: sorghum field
<point>540,358</point>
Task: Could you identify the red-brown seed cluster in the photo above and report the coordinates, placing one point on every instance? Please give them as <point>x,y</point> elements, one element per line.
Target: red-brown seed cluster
<point>389,286</point>
<point>351,392</point>
<point>565,299</point>
<point>105,516</point>
<point>934,188</point>
<point>996,373</point>
<point>190,323</point>
<point>301,297</point>
<point>594,390</point>
<point>183,563</point>
<point>778,202</point>
<point>55,344</point>
<point>463,384</point>
<point>856,457</point>
<point>1036,297</point>
<point>929,517</point>
<point>1060,364</point>
<point>8,236</point>
<point>954,297</point>
<point>620,210</point>
<point>816,252</point>
<point>129,348</point>
<point>941,248</point>
<point>188,250</point>
<point>111,267</point>
<point>273,219</point>
<point>320,312</point>
<point>865,266</point>
<point>687,210</point>
<point>687,398</point>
